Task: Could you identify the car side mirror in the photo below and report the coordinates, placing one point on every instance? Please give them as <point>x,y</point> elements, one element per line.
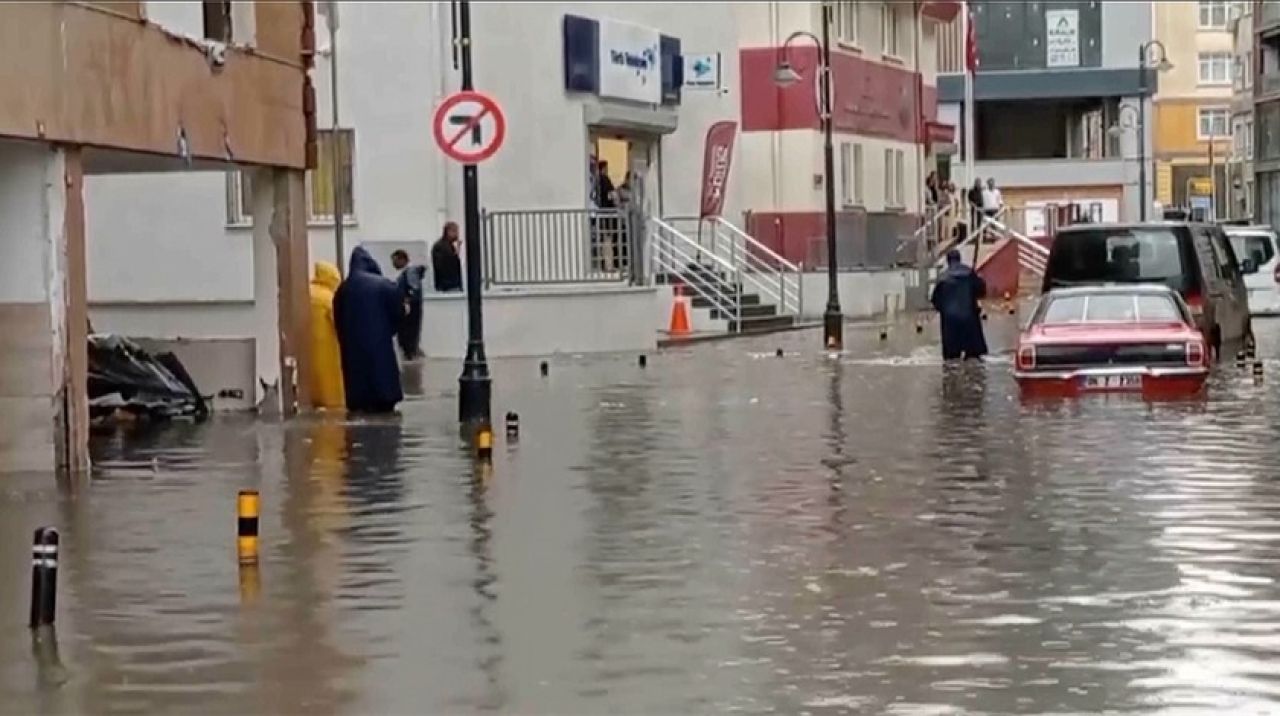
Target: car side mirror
<point>1247,266</point>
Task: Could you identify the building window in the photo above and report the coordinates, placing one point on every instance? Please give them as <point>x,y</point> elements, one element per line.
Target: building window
<point>1214,122</point>
<point>851,174</point>
<point>217,20</point>
<point>894,179</point>
<point>319,184</point>
<point>1215,68</point>
<point>320,204</point>
<point>1248,139</point>
<point>1213,14</point>
<point>846,22</point>
<point>889,35</point>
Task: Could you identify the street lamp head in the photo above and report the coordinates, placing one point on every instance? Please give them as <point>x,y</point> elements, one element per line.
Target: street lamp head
<point>784,75</point>
<point>1114,131</point>
<point>1164,65</point>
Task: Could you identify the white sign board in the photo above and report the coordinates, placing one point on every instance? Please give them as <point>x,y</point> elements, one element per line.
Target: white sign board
<point>630,62</point>
<point>1062,38</point>
<point>702,71</point>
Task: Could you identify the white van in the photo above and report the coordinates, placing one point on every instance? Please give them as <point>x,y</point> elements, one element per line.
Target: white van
<point>1255,249</point>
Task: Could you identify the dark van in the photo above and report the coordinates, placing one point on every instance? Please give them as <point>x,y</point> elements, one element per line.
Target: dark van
<point>1196,260</point>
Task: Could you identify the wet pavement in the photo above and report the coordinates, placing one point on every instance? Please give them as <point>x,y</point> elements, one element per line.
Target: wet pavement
<point>724,531</point>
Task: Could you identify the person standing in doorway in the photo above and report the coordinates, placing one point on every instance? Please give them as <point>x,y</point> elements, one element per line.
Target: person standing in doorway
<point>956,297</point>
<point>367,311</point>
<point>446,266</point>
<point>607,201</point>
<point>992,199</point>
<point>410,284</point>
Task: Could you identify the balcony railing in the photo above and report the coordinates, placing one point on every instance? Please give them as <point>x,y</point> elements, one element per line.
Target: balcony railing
<point>559,246</point>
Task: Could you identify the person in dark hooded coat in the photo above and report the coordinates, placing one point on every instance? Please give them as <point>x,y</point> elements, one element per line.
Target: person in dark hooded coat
<point>368,309</point>
<point>956,298</point>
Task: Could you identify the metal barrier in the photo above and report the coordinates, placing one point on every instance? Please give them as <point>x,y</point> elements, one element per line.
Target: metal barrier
<point>559,246</point>
<point>768,271</point>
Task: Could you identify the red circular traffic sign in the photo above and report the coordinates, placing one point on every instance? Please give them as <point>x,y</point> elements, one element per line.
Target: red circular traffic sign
<point>469,127</point>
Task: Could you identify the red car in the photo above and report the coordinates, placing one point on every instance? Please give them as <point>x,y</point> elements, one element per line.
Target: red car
<point>1105,339</point>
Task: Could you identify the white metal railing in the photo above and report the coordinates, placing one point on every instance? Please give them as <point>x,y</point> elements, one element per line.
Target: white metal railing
<point>673,253</point>
<point>1032,255</point>
<point>766,270</point>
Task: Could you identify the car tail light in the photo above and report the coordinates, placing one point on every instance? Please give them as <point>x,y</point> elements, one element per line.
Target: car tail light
<point>1196,303</point>
<point>1276,273</point>
<point>1195,353</point>
<point>1026,357</point>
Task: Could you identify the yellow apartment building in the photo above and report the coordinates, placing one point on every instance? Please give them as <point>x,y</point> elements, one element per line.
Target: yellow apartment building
<point>1192,128</point>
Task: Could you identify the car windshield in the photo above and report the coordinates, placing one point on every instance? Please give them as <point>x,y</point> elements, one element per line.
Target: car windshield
<point>1112,308</point>
<point>1122,255</point>
<point>1258,247</point>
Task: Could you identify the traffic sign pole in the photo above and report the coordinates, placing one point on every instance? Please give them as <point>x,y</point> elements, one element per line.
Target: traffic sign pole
<point>474,385</point>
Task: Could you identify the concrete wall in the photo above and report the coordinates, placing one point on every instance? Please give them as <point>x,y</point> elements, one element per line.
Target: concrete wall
<point>532,323</point>
<point>31,225</point>
<point>85,75</point>
<point>1125,26</point>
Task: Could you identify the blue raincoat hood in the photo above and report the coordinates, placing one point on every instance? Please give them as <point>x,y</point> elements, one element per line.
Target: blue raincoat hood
<point>362,262</point>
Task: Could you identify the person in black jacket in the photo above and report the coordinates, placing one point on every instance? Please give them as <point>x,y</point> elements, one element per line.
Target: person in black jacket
<point>367,312</point>
<point>410,284</point>
<point>446,267</point>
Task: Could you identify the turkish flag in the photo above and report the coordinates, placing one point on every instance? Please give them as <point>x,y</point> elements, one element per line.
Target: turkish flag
<point>970,42</point>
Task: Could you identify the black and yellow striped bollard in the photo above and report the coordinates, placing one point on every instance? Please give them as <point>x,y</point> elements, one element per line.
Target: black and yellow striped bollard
<point>247,508</point>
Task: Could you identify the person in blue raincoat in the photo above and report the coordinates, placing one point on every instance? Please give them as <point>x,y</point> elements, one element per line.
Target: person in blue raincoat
<point>955,297</point>
<point>368,309</point>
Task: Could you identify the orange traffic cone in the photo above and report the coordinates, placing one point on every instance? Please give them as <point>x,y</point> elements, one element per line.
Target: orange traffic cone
<point>679,316</point>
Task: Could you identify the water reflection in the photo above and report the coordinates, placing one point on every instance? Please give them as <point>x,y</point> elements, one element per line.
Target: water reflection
<point>725,531</point>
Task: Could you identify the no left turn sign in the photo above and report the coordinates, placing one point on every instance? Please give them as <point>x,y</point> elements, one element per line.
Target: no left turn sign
<point>469,127</point>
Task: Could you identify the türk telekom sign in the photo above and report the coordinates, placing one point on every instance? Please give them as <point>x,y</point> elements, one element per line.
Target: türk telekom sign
<point>716,161</point>
<point>630,62</point>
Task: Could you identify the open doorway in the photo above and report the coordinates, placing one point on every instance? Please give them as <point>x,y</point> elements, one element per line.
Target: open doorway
<point>624,181</point>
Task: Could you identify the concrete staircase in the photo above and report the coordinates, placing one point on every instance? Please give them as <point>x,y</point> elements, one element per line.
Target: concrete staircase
<point>747,312</point>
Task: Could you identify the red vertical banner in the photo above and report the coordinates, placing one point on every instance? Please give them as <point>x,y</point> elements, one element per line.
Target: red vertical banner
<point>716,160</point>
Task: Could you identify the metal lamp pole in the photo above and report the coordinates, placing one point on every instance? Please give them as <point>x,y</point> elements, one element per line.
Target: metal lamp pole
<point>1127,121</point>
<point>1144,63</point>
<point>832,318</point>
<point>474,385</point>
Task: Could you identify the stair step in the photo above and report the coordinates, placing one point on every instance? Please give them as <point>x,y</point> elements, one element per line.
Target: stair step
<point>748,299</point>
<point>749,311</point>
<point>762,324</point>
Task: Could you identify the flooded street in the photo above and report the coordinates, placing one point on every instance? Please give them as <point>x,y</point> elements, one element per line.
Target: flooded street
<point>724,531</point>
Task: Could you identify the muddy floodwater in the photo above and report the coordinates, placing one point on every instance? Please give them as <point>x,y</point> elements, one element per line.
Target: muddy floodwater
<point>723,531</point>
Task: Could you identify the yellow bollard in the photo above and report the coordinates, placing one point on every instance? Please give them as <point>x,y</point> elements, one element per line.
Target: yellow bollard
<point>484,442</point>
<point>247,506</point>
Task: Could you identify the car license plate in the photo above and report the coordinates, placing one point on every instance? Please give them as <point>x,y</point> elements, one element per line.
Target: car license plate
<point>1112,382</point>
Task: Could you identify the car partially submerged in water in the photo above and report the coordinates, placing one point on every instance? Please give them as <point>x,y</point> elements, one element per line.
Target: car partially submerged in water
<point>1106,339</point>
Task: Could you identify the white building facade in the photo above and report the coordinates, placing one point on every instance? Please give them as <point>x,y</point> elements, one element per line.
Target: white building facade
<point>578,83</point>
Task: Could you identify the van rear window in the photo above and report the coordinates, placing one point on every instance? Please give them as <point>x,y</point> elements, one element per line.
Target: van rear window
<point>1129,255</point>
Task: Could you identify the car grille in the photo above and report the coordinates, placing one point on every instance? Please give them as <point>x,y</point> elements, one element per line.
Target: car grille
<point>1074,356</point>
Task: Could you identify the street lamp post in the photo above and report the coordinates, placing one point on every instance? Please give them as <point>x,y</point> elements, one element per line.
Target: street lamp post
<point>784,75</point>
<point>474,385</point>
<point>1158,61</point>
<point>1133,120</point>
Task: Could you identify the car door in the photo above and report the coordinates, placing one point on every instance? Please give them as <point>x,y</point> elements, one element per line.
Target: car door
<point>1234,316</point>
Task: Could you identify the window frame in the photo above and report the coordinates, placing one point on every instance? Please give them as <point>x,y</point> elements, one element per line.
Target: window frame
<point>239,204</point>
<point>841,12</point>
<point>1208,59</point>
<point>1214,110</point>
<point>1206,8</point>
<point>889,16</point>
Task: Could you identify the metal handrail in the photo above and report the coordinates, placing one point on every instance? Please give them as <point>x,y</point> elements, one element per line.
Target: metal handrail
<point>557,246</point>
<point>752,248</point>
<point>751,260</point>
<point>674,252</point>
